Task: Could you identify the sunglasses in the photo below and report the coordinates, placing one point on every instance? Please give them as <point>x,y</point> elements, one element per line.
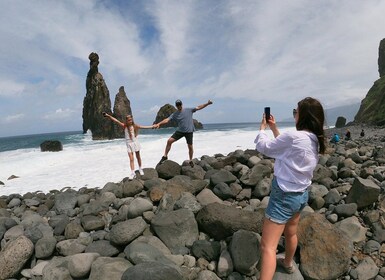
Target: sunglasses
<point>294,112</point>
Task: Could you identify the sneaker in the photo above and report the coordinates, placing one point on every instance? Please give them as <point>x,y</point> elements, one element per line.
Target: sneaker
<point>132,175</point>
<point>288,269</point>
<point>162,160</point>
<point>141,171</point>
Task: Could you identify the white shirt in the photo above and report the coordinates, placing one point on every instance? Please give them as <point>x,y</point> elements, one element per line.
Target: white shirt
<point>296,156</point>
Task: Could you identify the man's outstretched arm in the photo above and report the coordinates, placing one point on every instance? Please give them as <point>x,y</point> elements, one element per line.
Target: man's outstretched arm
<point>200,107</point>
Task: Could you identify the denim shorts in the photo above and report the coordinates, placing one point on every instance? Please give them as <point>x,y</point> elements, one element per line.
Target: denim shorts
<point>284,205</point>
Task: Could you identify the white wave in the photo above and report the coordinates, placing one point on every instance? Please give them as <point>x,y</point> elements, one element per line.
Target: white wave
<point>94,163</point>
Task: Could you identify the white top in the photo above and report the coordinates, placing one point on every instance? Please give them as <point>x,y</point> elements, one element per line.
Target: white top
<point>296,156</point>
<point>127,131</point>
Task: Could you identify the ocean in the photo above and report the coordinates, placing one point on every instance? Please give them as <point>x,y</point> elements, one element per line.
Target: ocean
<point>87,163</point>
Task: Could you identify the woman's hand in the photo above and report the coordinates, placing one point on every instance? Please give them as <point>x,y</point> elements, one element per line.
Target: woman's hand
<point>270,123</point>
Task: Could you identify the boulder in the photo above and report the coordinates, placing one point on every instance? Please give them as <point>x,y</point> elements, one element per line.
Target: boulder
<point>340,122</point>
<point>14,256</point>
<point>364,192</point>
<point>324,249</point>
<point>220,221</point>
<point>51,146</point>
<point>151,271</point>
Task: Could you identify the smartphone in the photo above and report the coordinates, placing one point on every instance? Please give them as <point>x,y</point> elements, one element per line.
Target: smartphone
<point>104,114</point>
<point>267,113</point>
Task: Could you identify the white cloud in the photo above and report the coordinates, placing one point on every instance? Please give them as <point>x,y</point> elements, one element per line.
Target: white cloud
<point>13,119</point>
<point>240,52</point>
<point>59,114</point>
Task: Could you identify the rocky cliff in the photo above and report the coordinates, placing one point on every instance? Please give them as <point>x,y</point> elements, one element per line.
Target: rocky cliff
<point>165,111</point>
<point>122,108</point>
<point>97,100</point>
<point>372,109</point>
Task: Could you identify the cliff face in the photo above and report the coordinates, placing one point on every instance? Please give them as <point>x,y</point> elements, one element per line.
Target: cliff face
<point>97,100</point>
<point>122,108</point>
<point>372,109</point>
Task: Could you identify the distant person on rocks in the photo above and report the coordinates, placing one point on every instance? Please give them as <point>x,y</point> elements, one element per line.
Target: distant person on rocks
<point>362,134</point>
<point>335,138</point>
<point>348,135</point>
<point>296,155</point>
<point>131,130</point>
<point>184,119</point>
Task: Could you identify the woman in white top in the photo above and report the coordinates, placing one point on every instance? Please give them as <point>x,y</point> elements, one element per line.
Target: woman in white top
<point>131,130</point>
<point>296,156</point>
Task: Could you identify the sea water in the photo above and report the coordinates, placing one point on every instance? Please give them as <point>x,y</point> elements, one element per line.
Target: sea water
<point>88,163</point>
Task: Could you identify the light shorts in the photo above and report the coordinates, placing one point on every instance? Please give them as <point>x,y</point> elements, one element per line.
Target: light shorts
<point>133,146</point>
<point>284,205</point>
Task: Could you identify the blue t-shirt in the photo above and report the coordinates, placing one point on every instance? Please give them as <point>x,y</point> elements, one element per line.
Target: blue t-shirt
<point>184,119</point>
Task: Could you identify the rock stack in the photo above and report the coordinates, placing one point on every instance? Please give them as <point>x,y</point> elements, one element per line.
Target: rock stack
<point>203,222</point>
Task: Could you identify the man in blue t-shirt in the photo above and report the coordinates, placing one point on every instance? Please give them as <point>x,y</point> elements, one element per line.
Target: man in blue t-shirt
<point>184,118</point>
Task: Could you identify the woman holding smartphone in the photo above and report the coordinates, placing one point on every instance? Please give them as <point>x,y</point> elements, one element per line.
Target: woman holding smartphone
<point>131,130</point>
<point>296,156</point>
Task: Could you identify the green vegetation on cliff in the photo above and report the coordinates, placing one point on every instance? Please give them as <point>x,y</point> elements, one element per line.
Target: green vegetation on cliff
<point>372,109</point>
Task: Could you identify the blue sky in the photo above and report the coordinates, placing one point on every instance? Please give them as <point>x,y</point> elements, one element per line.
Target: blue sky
<point>243,55</point>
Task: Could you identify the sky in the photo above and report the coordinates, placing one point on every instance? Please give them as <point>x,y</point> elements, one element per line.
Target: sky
<point>243,55</point>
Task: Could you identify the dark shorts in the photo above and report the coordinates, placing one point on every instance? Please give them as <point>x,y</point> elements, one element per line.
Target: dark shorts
<point>284,205</point>
<point>188,135</point>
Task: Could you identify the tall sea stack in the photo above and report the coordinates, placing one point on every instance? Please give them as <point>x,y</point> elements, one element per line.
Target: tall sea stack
<point>96,101</point>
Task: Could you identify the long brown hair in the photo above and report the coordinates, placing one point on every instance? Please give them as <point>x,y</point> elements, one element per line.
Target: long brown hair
<point>136,129</point>
<point>312,117</point>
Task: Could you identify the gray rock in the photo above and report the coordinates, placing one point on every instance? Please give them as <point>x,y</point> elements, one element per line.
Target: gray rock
<point>152,271</point>
<point>196,172</point>
<point>177,229</point>
<point>90,223</point>
<point>188,201</point>
<point>220,221</point>
<point>140,252</point>
<point>332,197</point>
<point>245,251</point>
<point>114,188</point>
<point>72,230</point>
<point>207,275</point>
<point>225,264</point>
<point>45,247</point>
<point>209,250</point>
<point>379,232</point>
<point>367,269</point>
<point>206,197</point>
<point>70,247</point>
<point>109,268</point>
<point>256,174</point>
<point>223,191</point>
<point>316,190</point>
<point>371,246</point>
<point>262,188</point>
<point>168,169</point>
<point>138,206</point>
<point>346,210</point>
<point>132,188</point>
<point>363,186</point>
<point>123,233</point>
<point>103,247</point>
<point>57,269</point>
<point>222,176</point>
<point>65,202</point>
<point>79,265</point>
<point>14,256</point>
<point>353,229</point>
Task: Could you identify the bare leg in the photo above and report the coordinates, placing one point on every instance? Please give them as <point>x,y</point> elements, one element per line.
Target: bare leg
<point>271,233</point>
<point>138,158</point>
<point>131,157</point>
<point>291,239</point>
<point>168,146</point>
<point>190,151</point>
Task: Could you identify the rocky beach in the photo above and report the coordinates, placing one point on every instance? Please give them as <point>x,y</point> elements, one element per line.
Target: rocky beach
<point>202,222</point>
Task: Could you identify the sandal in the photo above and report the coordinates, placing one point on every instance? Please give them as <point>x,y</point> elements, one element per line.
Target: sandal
<point>288,269</point>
